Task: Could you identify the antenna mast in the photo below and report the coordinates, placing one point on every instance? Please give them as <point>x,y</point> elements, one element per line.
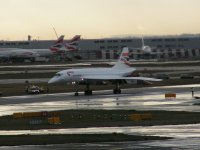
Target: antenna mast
<point>55,32</point>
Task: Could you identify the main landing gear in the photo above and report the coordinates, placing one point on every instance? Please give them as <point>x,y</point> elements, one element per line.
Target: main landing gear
<point>76,85</point>
<point>87,91</point>
<point>117,89</point>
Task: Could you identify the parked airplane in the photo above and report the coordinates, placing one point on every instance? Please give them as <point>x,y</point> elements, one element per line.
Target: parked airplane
<point>7,54</point>
<point>120,71</point>
<point>10,54</point>
<point>145,49</point>
<point>72,44</point>
<point>60,46</point>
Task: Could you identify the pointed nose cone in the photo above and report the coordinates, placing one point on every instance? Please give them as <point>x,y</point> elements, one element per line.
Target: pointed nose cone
<point>52,80</point>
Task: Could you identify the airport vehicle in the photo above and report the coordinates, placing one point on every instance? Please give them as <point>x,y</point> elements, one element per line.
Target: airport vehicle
<point>121,71</point>
<point>34,89</point>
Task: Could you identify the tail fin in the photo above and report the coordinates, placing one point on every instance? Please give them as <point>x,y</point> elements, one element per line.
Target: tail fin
<point>76,38</point>
<point>57,44</point>
<point>145,48</point>
<point>142,42</point>
<point>123,61</point>
<point>60,40</point>
<point>60,47</point>
<point>72,44</point>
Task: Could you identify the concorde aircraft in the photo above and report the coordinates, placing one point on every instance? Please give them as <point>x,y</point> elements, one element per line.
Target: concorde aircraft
<point>120,71</point>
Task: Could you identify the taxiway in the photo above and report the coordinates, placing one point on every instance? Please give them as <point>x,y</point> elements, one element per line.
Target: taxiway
<point>147,98</point>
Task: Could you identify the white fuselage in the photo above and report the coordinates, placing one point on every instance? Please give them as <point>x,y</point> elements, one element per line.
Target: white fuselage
<point>76,75</point>
<point>16,52</point>
<point>43,52</point>
<point>146,49</point>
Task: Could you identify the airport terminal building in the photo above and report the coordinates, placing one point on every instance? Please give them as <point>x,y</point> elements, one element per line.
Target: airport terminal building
<point>163,47</point>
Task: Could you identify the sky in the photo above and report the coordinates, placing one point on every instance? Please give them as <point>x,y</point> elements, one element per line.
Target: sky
<point>97,18</point>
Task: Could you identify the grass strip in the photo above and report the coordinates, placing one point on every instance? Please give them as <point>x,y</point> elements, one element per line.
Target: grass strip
<point>14,140</point>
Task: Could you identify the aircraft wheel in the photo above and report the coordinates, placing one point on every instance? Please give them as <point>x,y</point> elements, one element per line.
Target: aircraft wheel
<point>88,92</point>
<point>117,91</point>
<point>114,91</point>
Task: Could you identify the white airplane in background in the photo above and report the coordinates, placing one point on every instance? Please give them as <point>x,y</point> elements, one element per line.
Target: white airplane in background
<point>120,71</point>
<point>145,49</point>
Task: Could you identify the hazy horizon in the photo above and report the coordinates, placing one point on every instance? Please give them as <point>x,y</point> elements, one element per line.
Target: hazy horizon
<point>97,18</point>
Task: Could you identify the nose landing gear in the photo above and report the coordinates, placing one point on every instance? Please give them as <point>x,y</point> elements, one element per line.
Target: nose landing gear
<point>76,86</point>
<point>88,91</point>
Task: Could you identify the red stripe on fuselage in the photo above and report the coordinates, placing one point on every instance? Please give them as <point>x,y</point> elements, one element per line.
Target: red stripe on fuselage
<point>125,54</point>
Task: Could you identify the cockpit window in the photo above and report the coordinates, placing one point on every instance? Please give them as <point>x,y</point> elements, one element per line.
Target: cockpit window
<point>57,75</point>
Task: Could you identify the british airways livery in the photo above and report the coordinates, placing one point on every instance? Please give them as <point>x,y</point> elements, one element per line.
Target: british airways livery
<point>120,71</point>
